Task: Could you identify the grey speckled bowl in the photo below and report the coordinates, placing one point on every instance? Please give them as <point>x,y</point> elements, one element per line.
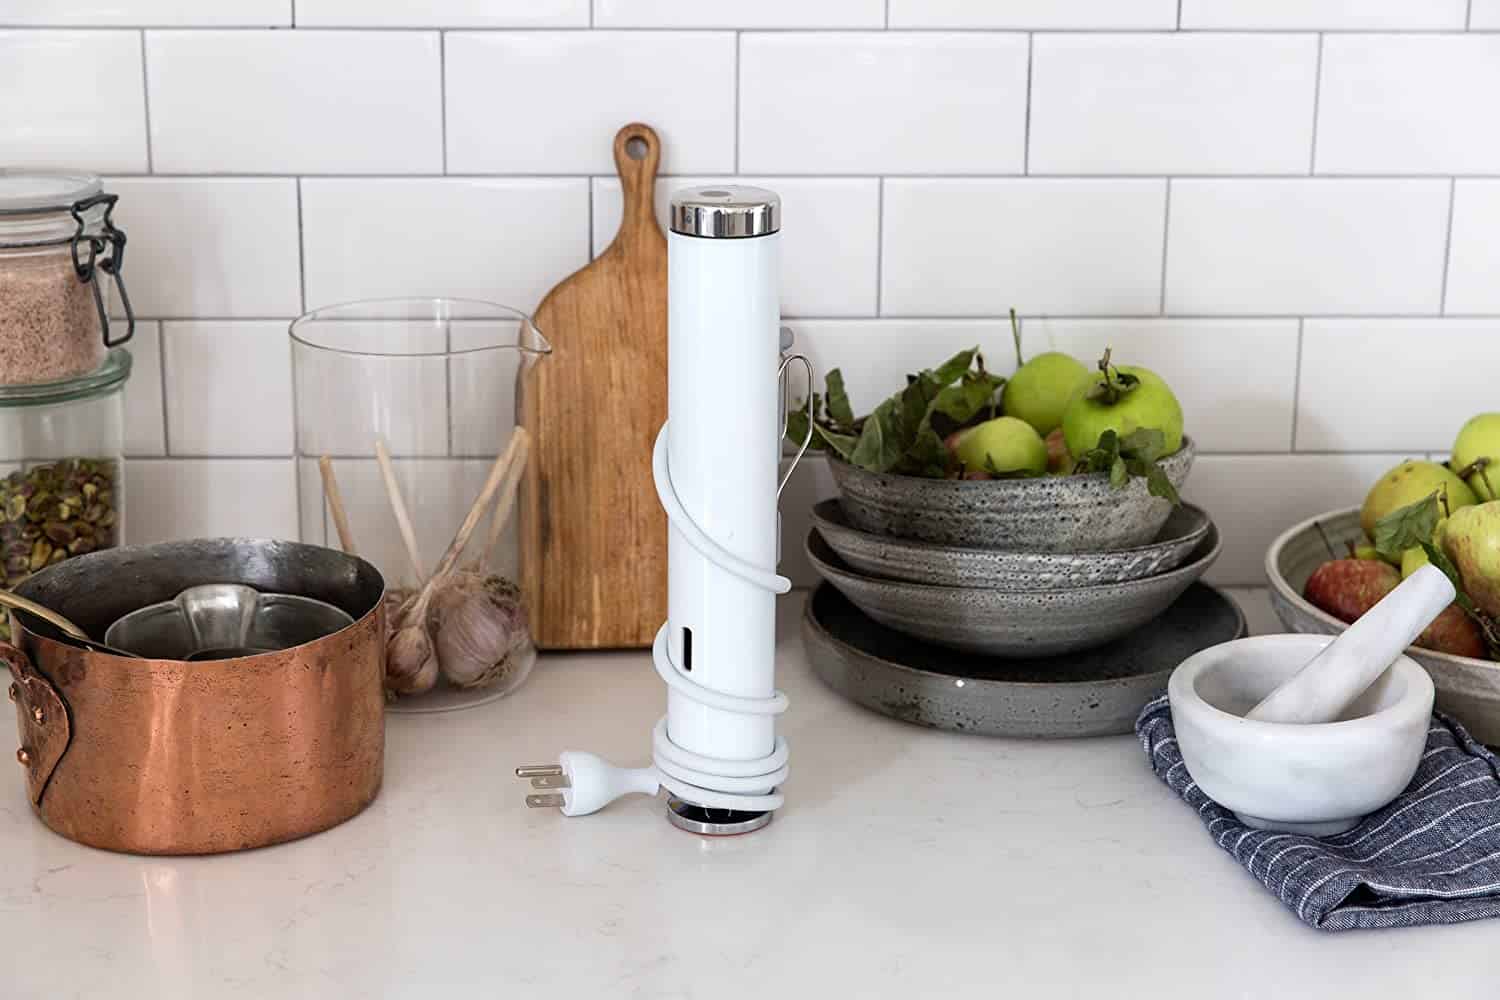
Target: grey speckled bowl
<point>950,566</point>
<point>1031,623</point>
<point>1085,694</point>
<point>1048,514</point>
<point>1467,689</point>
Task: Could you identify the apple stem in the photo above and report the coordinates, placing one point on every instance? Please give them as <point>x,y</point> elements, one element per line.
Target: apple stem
<point>1015,335</point>
<point>1111,391</point>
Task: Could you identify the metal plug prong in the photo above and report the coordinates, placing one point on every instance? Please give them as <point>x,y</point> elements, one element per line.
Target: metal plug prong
<point>550,801</point>
<point>551,781</point>
<point>539,771</point>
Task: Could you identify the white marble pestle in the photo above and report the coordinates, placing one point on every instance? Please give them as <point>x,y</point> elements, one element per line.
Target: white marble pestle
<point>1333,679</point>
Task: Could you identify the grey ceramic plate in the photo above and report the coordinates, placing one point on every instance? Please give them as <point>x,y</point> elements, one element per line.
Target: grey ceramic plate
<point>1468,689</point>
<point>948,566</point>
<point>1084,694</point>
<point>1032,623</point>
<point>1047,514</point>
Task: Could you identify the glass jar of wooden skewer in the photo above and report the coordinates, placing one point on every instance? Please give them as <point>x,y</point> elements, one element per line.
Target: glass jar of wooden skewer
<point>410,453</point>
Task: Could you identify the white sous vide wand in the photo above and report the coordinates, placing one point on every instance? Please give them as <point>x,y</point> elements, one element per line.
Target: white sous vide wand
<point>716,462</point>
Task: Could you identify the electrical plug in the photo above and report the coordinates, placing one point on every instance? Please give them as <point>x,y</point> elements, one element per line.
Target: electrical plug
<point>581,783</point>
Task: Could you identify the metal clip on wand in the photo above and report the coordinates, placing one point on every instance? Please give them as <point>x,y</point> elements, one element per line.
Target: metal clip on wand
<point>716,751</point>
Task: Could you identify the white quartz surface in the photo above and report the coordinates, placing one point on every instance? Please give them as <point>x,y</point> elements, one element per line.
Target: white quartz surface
<point>907,863</point>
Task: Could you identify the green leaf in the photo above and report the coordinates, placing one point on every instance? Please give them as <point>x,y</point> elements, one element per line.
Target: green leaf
<point>1158,485</point>
<point>955,366</point>
<point>841,443</point>
<point>797,427</point>
<point>1119,475</point>
<point>927,456</point>
<point>839,411</point>
<point>1407,527</point>
<point>881,441</point>
<point>1439,558</point>
<point>960,402</point>
<point>1145,443</point>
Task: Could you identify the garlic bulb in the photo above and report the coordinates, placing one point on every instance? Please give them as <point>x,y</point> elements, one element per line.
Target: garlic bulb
<point>411,665</point>
<point>479,627</point>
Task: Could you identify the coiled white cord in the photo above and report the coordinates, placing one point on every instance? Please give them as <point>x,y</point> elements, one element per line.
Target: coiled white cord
<point>586,783</point>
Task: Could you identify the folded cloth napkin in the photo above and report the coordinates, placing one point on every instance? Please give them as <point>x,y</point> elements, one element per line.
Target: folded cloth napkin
<point>1430,857</point>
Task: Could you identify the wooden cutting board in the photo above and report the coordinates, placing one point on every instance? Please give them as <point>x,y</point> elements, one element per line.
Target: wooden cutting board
<point>594,537</point>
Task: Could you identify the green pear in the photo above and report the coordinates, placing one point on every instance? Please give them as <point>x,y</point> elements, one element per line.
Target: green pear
<point>1411,561</point>
<point>1040,389</point>
<point>1103,405</point>
<point>1471,539</point>
<point>1480,439</point>
<point>1409,482</point>
<point>1003,445</point>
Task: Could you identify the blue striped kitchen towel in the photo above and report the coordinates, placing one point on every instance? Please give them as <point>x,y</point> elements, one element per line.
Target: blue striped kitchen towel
<point>1430,857</point>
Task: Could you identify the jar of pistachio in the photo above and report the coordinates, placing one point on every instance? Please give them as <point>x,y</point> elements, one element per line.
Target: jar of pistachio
<point>61,469</point>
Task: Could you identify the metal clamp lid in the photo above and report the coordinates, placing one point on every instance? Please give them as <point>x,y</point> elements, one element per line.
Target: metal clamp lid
<point>727,211</point>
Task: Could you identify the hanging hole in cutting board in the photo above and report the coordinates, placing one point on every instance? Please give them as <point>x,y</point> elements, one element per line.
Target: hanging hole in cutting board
<point>636,148</point>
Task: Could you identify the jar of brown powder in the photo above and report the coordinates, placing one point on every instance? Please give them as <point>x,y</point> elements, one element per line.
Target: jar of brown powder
<point>57,245</point>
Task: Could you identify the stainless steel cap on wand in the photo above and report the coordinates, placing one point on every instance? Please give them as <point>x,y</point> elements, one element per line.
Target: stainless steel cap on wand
<point>725,212</point>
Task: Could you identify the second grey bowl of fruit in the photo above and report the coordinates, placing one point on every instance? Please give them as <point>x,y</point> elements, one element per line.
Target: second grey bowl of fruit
<point>1000,623</point>
<point>999,569</point>
<point>1077,513</point>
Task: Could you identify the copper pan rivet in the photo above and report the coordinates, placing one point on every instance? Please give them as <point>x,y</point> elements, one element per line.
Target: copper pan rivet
<point>36,713</point>
<point>23,756</point>
<point>14,693</point>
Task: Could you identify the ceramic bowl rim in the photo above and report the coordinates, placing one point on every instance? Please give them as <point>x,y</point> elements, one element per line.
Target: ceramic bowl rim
<point>1188,450</point>
<point>1213,539</point>
<point>1029,555</point>
<point>811,621</point>
<point>1415,701</point>
<point>1285,592</point>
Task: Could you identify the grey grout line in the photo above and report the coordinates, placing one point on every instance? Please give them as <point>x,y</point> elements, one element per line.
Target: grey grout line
<point>1026,136</point>
<point>1447,248</point>
<point>1297,383</point>
<point>589,249</point>
<point>978,318</point>
<point>1469,15</point>
<point>1312,156</point>
<point>879,242</point>
<point>592,5</point>
<point>887,23</point>
<point>146,104</point>
<point>738,43</point>
<point>161,363</point>
<point>443,95</point>
<point>1179,15</point>
<point>1166,231</point>
<point>294,12</point>
<point>795,175</point>
<point>301,253</point>
<point>701,30</point>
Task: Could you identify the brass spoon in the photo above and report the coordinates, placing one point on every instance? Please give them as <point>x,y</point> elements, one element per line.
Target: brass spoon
<point>73,632</point>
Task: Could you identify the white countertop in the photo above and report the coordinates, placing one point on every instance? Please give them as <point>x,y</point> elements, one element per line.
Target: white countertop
<point>907,863</point>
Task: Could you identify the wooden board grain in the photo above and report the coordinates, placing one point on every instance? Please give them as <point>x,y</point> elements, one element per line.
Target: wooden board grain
<point>594,537</point>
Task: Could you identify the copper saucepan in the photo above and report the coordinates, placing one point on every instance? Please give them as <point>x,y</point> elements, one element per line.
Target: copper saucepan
<point>178,757</point>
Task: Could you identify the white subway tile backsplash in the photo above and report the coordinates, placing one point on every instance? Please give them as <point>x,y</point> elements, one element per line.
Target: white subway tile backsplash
<point>443,13</point>
<point>1474,250</point>
<point>551,102</point>
<point>1235,378</point>
<point>153,13</point>
<point>313,102</point>
<point>739,14</point>
<point>210,247</point>
<point>882,102</point>
<point>1413,104</point>
<point>1484,15</point>
<point>829,238</point>
<point>172,498</point>
<point>72,99</point>
<point>979,247</point>
<point>1325,15</point>
<point>1171,103</point>
<point>1305,246</point>
<point>1037,14</point>
<point>145,428</point>
<point>504,240</point>
<point>1353,369</point>
<point>204,357</point>
<point>1254,498</point>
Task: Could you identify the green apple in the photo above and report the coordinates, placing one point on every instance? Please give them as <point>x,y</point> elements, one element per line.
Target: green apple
<point>1040,389</point>
<point>1105,404</point>
<point>1409,482</point>
<point>1480,438</point>
<point>1471,539</point>
<point>1002,445</point>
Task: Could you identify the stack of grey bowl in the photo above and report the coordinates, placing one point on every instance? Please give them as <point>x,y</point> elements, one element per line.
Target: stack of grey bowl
<point>1012,568</point>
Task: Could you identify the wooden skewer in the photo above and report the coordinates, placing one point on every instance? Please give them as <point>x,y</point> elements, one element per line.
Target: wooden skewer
<point>398,508</point>
<point>506,503</point>
<point>336,505</point>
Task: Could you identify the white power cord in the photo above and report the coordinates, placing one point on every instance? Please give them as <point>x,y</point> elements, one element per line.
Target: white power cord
<point>581,783</point>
